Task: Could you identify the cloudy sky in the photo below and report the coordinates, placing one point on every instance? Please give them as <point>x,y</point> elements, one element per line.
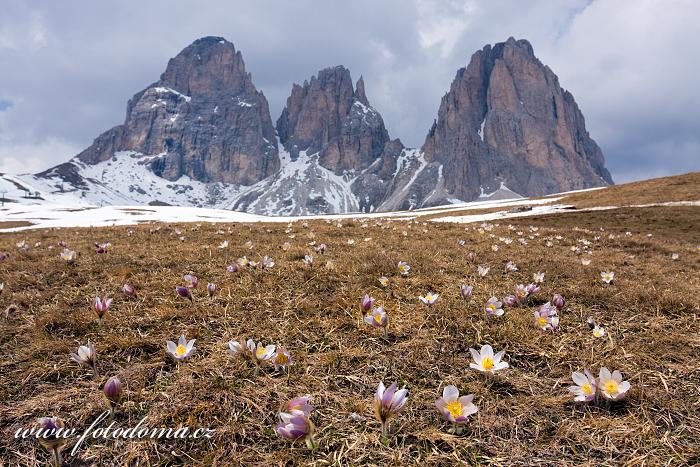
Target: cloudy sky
<point>69,67</point>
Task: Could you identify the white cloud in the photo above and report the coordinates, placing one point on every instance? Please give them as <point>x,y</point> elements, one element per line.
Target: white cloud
<point>630,65</point>
<point>31,158</point>
<point>441,23</point>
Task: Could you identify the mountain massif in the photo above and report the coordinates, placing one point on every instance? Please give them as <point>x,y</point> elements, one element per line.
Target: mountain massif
<point>202,135</point>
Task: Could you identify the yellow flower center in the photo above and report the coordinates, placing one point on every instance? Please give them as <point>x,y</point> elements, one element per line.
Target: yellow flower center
<point>180,350</point>
<point>378,318</point>
<point>598,332</point>
<point>260,353</point>
<point>487,363</point>
<point>281,358</point>
<point>587,389</point>
<point>455,409</point>
<point>611,386</point>
<point>542,321</point>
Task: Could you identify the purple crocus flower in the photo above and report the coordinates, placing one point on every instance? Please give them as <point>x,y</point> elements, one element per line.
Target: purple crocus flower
<point>367,302</point>
<point>4,256</point>
<point>558,301</point>
<point>493,307</point>
<point>388,402</point>
<point>211,289</point>
<point>231,268</point>
<point>295,422</point>
<point>128,290</point>
<point>86,355</point>
<point>102,247</point>
<point>532,289</point>
<point>546,317</point>
<point>299,403</point>
<point>521,293</point>
<point>510,300</point>
<point>378,318</point>
<point>184,292</point>
<point>191,281</point>
<point>282,359</point>
<point>101,306</point>
<point>113,392</point>
<point>466,291</point>
<point>52,437</point>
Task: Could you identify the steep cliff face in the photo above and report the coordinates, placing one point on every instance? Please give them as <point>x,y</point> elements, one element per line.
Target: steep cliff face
<point>204,118</point>
<point>327,116</point>
<point>506,120</point>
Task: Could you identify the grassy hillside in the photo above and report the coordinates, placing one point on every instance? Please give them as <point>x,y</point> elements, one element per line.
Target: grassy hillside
<point>526,415</point>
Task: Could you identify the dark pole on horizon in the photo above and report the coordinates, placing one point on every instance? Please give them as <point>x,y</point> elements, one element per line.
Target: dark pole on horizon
<point>2,199</point>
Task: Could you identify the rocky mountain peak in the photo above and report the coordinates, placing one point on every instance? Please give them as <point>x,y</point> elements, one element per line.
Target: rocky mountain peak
<point>360,91</point>
<point>204,119</point>
<point>202,135</point>
<point>328,117</point>
<point>208,65</point>
<point>506,121</point>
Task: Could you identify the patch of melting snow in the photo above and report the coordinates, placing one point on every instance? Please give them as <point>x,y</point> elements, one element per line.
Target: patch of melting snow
<point>243,103</point>
<point>57,215</point>
<point>161,90</point>
<point>481,129</point>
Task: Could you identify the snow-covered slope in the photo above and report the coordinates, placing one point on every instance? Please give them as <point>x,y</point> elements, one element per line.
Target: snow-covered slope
<point>302,186</point>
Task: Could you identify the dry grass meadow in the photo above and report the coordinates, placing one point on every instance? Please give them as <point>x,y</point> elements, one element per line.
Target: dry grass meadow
<point>526,416</point>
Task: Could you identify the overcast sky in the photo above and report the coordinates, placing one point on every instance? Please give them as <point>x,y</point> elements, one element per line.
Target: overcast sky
<point>69,67</point>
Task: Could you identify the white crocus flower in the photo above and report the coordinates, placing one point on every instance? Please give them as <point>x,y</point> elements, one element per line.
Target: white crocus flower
<point>235,347</point>
<point>182,349</point>
<point>607,276</point>
<point>585,387</point>
<point>486,362</point>
<point>598,331</point>
<point>453,408</point>
<point>429,299</point>
<point>259,352</point>
<point>611,385</point>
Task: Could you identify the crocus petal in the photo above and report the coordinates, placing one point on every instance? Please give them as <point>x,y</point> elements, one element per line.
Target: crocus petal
<point>579,378</point>
<point>464,400</point>
<point>475,355</point>
<point>500,366</point>
<point>380,391</point>
<point>450,393</point>
<point>389,394</point>
<point>624,387</point>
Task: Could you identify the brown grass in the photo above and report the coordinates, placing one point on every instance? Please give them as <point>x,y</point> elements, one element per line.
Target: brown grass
<point>676,188</point>
<point>13,224</point>
<point>669,189</point>
<point>526,417</point>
